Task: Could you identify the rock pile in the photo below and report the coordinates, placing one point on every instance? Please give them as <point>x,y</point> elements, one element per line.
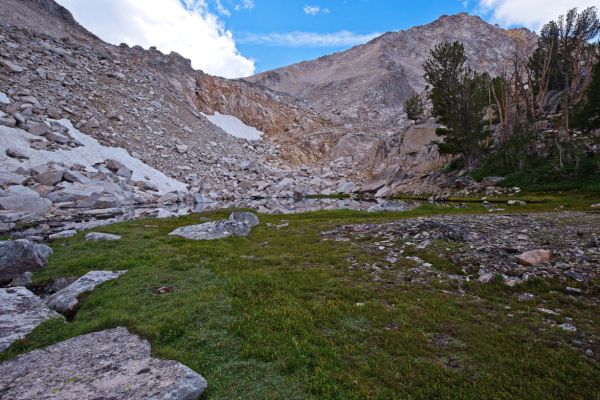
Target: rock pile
<point>564,246</point>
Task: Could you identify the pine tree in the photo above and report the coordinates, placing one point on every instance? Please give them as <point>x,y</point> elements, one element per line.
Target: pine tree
<point>459,97</point>
<point>588,115</point>
<point>414,108</point>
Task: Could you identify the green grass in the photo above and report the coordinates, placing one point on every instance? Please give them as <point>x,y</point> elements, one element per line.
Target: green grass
<point>281,315</point>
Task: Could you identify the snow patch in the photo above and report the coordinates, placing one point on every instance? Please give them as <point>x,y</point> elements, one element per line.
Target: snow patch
<point>234,126</point>
<point>4,98</point>
<point>91,152</point>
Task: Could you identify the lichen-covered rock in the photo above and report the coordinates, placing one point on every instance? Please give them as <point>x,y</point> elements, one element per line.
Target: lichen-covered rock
<point>67,299</point>
<point>244,217</point>
<point>20,312</point>
<point>111,364</point>
<point>18,256</point>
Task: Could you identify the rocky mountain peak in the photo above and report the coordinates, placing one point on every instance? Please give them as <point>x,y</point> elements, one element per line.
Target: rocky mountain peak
<point>370,82</point>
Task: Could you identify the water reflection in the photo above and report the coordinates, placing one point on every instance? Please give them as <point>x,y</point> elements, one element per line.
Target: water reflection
<point>77,219</point>
<point>291,206</point>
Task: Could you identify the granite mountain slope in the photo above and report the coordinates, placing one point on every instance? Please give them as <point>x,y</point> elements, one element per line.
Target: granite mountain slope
<point>333,119</point>
<point>152,105</point>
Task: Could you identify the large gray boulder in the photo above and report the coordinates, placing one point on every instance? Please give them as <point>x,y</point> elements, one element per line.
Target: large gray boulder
<point>111,364</point>
<point>67,299</point>
<point>213,230</point>
<point>19,256</point>
<point>20,312</point>
<point>24,199</point>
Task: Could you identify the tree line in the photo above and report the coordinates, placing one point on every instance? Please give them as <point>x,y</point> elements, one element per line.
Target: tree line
<point>504,118</point>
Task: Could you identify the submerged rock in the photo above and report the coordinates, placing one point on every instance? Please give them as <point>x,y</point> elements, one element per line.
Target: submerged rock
<point>66,300</point>
<point>20,312</point>
<point>111,364</point>
<point>18,256</point>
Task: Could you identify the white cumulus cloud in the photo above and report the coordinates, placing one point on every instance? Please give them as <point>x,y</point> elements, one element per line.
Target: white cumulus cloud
<point>314,10</point>
<point>186,27</point>
<point>307,39</point>
<point>532,14</point>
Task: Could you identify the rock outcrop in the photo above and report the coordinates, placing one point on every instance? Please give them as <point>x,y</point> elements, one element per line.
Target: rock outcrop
<point>119,362</point>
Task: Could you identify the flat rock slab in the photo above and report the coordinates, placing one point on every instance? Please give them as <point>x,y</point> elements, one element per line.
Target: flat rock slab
<point>97,236</point>
<point>213,230</point>
<point>111,364</point>
<point>67,299</point>
<point>18,256</point>
<point>20,312</point>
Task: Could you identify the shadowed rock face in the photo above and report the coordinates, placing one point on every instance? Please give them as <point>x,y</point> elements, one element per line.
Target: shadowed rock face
<point>372,81</point>
<point>119,362</point>
<point>18,256</point>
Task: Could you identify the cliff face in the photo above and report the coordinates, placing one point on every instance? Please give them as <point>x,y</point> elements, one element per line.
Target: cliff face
<point>369,83</point>
<point>283,119</point>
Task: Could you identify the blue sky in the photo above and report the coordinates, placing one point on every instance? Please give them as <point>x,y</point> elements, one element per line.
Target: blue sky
<point>237,38</point>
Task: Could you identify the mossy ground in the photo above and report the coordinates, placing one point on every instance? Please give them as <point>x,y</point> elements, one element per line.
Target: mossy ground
<point>279,315</point>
